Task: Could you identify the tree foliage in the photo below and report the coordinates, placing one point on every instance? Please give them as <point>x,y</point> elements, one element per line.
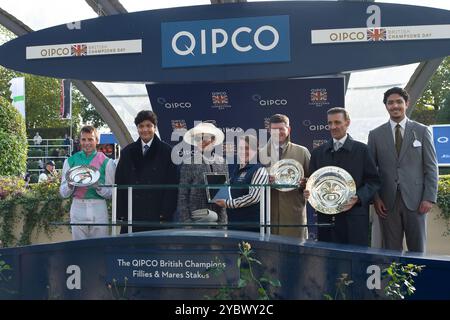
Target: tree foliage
<point>13,140</point>
<point>42,98</point>
<point>42,101</point>
<point>434,105</point>
<point>443,115</point>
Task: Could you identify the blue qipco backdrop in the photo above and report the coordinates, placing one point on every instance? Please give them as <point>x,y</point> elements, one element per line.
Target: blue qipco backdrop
<point>441,139</point>
<point>240,106</point>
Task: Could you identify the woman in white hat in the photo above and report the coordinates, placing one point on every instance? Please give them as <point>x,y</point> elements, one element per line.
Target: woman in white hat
<point>204,137</point>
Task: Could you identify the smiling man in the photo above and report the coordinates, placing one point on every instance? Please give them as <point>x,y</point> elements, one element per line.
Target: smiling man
<point>144,162</point>
<point>352,225</point>
<point>286,207</point>
<point>404,152</point>
<point>88,205</point>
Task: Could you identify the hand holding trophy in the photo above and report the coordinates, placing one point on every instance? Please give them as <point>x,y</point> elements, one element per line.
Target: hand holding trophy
<point>330,190</point>
<point>287,171</point>
<point>82,176</point>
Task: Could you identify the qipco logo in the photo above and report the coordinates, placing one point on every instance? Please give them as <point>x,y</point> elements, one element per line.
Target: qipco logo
<point>269,102</point>
<point>442,140</point>
<point>225,41</point>
<point>315,127</point>
<point>173,105</point>
<point>219,38</point>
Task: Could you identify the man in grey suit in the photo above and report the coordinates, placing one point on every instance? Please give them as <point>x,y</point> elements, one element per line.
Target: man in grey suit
<point>404,153</point>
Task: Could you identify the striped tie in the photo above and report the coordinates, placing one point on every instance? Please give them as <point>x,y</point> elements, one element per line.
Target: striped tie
<point>146,147</point>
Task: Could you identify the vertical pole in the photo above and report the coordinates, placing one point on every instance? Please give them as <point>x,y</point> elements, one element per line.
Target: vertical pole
<point>71,137</point>
<point>130,209</point>
<point>261,212</point>
<point>114,211</point>
<point>268,210</point>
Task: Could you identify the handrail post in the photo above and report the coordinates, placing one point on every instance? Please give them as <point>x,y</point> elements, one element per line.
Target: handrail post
<point>130,209</point>
<point>268,210</point>
<point>261,212</point>
<point>114,211</point>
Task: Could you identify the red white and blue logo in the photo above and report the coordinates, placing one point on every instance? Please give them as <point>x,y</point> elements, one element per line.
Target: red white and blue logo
<point>377,34</point>
<point>78,50</point>
<point>219,98</point>
<point>178,124</point>
<point>319,97</point>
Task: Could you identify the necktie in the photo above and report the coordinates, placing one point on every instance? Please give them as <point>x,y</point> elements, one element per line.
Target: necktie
<point>337,145</point>
<point>146,147</point>
<point>398,138</point>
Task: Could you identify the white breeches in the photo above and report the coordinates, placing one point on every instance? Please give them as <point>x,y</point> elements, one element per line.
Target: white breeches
<point>88,211</point>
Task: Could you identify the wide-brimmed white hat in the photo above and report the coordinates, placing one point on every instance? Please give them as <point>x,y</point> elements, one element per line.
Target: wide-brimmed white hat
<point>204,128</point>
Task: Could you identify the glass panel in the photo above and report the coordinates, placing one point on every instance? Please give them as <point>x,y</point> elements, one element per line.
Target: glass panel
<point>127,99</point>
<point>364,98</point>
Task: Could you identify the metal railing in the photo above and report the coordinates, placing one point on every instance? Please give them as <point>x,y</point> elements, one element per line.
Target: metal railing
<point>47,146</point>
<point>264,222</point>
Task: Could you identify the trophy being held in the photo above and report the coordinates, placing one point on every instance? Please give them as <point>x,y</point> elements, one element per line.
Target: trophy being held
<point>287,171</point>
<point>330,189</point>
<point>82,176</point>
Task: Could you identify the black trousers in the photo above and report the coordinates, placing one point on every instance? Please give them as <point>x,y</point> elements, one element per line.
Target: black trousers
<point>347,229</point>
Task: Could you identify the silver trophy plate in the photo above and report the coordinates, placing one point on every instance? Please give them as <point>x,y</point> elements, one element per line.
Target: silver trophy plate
<point>287,171</point>
<point>82,176</point>
<point>330,189</point>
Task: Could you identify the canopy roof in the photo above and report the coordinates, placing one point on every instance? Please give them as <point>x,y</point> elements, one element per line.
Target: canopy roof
<point>118,103</point>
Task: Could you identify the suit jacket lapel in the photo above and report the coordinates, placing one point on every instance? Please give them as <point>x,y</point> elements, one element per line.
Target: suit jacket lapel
<point>389,138</point>
<point>407,139</point>
<point>137,150</point>
<point>151,153</point>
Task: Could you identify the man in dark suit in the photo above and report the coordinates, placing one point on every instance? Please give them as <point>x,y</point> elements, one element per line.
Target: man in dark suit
<point>144,162</point>
<point>352,225</point>
<point>404,152</point>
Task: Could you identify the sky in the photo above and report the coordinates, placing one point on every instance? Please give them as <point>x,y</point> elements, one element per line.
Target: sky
<point>55,12</point>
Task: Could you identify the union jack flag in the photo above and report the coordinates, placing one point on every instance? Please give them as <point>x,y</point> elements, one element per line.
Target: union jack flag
<point>376,34</point>
<point>179,124</point>
<point>219,98</point>
<point>78,50</point>
<point>318,143</point>
<point>319,95</point>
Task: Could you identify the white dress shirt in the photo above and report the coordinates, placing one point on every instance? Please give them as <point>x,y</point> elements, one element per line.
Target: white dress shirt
<point>402,127</point>
<point>341,141</point>
<point>143,144</point>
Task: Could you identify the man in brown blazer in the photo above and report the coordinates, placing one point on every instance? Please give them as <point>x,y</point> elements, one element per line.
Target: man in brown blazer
<point>287,208</point>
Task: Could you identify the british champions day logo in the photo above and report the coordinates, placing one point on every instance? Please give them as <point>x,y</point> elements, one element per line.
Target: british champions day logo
<point>374,32</point>
<point>225,41</point>
<point>319,97</point>
<point>220,100</point>
<point>101,48</point>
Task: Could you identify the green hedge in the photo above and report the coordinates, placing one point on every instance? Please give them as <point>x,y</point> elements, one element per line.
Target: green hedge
<point>35,152</point>
<point>37,207</point>
<point>443,199</point>
<point>13,140</point>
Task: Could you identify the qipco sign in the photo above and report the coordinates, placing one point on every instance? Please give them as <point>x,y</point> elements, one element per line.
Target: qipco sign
<point>225,41</point>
